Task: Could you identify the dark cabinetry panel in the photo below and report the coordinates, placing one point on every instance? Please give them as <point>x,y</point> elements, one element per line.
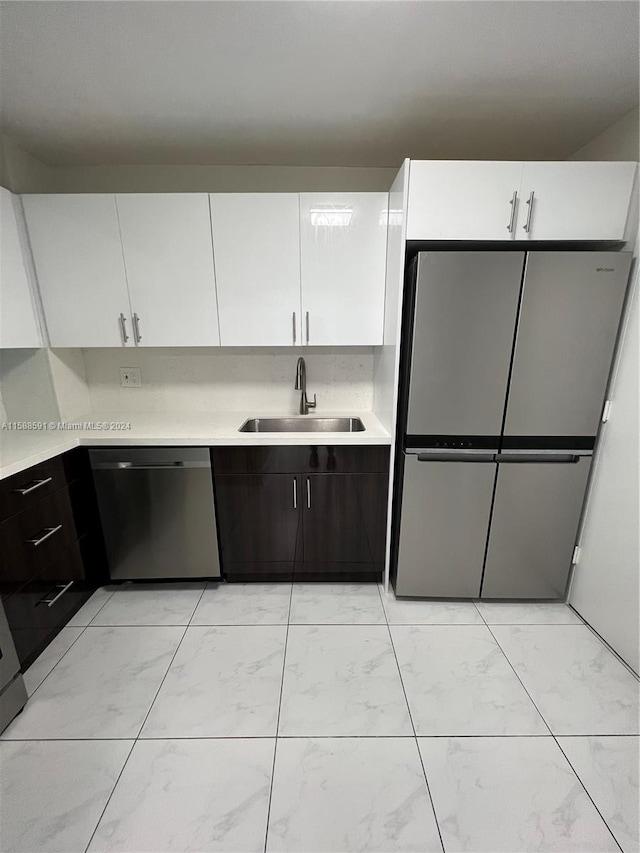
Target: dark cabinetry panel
<point>311,513</point>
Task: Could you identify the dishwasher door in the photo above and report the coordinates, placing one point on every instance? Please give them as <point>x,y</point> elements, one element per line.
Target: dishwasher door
<point>157,512</point>
<point>535,519</point>
<point>446,504</point>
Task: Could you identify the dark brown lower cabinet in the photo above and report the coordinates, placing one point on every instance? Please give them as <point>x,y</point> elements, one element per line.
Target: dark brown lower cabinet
<point>315,517</point>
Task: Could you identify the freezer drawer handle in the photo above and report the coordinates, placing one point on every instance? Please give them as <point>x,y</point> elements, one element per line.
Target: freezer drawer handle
<point>456,457</point>
<point>51,601</point>
<point>33,486</point>
<point>38,540</point>
<point>539,458</point>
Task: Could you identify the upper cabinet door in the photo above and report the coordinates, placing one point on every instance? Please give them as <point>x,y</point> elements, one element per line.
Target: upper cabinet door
<point>18,324</point>
<point>77,251</point>
<point>166,239</point>
<point>463,200</point>
<point>343,245</point>
<point>256,246</point>
<point>575,201</point>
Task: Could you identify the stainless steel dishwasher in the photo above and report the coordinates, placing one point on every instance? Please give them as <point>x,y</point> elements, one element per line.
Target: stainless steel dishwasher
<point>157,512</point>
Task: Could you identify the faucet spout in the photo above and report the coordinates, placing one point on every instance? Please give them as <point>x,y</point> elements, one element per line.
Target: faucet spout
<point>301,385</point>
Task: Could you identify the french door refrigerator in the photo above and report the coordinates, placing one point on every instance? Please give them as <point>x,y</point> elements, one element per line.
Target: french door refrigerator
<point>505,362</point>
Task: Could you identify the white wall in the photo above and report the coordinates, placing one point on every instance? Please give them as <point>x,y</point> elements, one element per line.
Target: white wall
<point>229,379</point>
<point>620,141</point>
<point>605,584</point>
<point>26,387</point>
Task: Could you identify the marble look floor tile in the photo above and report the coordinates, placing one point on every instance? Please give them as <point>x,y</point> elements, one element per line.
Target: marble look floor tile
<point>527,613</point>
<point>53,792</point>
<point>503,795</point>
<point>336,603</point>
<point>92,607</point>
<point>579,686</point>
<point>458,682</point>
<point>102,688</point>
<point>224,682</point>
<point>350,794</point>
<point>43,665</point>
<point>405,611</point>
<point>244,604</point>
<point>608,768</point>
<point>342,680</point>
<point>190,795</point>
<point>151,604</point>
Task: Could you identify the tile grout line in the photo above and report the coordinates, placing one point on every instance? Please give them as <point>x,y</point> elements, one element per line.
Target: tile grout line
<point>415,736</point>
<point>137,737</point>
<point>275,744</point>
<point>555,738</point>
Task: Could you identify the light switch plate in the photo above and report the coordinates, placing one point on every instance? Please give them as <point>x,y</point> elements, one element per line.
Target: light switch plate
<point>130,377</point>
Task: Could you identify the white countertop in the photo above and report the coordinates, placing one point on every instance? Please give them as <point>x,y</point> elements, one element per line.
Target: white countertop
<point>20,449</point>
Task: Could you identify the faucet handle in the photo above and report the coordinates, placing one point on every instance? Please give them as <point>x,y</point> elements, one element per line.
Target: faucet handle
<point>312,405</point>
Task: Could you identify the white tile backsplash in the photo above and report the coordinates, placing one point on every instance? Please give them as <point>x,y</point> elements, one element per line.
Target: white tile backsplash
<point>229,379</point>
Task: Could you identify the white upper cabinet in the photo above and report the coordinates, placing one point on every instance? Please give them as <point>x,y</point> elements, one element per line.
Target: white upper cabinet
<point>343,244</point>
<point>462,199</point>
<point>18,324</point>
<point>168,255</point>
<point>575,201</point>
<point>256,243</point>
<point>77,251</point>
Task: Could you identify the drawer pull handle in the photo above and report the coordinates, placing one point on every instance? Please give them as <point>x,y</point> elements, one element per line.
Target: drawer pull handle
<point>51,601</point>
<point>33,486</point>
<point>39,540</point>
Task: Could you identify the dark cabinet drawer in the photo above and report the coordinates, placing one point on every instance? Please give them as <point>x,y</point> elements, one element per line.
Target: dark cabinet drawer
<point>32,539</point>
<point>24,490</point>
<point>318,459</point>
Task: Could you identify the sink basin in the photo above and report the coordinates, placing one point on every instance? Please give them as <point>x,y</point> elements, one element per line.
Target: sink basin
<point>302,424</point>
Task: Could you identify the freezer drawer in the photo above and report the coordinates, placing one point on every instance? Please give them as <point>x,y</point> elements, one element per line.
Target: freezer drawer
<point>533,527</point>
<point>443,526</point>
<point>157,512</point>
<point>466,305</point>
<point>571,306</point>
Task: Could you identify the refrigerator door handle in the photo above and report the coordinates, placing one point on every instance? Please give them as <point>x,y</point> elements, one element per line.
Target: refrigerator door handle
<point>538,458</point>
<point>456,457</point>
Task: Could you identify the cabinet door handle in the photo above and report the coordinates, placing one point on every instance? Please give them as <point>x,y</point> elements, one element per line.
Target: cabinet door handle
<point>294,327</point>
<point>51,601</point>
<point>307,325</point>
<point>295,493</point>
<point>527,224</point>
<point>123,329</point>
<point>136,328</point>
<point>513,203</point>
<point>36,485</point>
<point>308,493</point>
<point>39,540</point>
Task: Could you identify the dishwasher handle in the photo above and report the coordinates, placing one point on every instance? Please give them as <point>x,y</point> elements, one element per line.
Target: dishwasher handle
<point>149,466</point>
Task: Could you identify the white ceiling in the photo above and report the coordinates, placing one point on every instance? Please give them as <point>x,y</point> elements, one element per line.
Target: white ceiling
<point>313,83</point>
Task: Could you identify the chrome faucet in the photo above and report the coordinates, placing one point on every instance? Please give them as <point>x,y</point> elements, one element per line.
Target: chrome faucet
<point>301,385</point>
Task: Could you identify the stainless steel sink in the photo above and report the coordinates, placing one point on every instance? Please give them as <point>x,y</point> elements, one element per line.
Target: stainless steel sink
<point>302,424</point>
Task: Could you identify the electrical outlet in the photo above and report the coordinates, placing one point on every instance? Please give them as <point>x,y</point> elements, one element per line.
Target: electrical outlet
<point>130,377</point>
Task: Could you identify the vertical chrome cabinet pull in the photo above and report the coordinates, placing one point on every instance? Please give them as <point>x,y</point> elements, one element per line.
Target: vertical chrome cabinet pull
<point>26,490</point>
<point>39,540</point>
<point>307,323</point>
<point>527,224</point>
<point>294,327</point>
<point>308,494</point>
<point>136,328</point>
<point>123,329</point>
<point>295,494</point>
<point>513,203</point>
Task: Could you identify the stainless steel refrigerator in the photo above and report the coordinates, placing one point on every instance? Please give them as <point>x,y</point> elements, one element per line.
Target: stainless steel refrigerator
<point>505,362</point>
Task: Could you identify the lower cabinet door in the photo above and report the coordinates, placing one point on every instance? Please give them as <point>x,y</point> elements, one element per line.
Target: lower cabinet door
<point>259,525</point>
<point>533,528</point>
<point>344,526</point>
